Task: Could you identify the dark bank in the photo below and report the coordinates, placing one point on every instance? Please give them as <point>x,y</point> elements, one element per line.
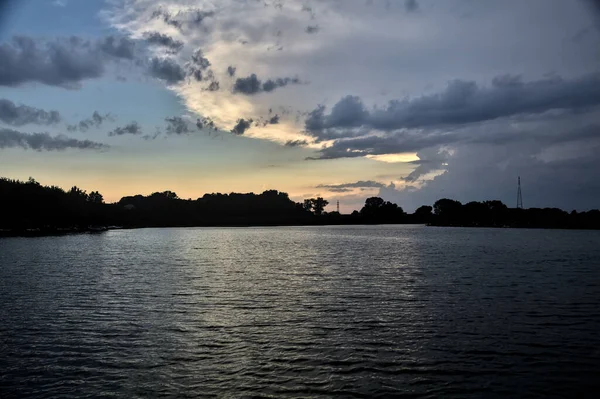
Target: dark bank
<point>29,208</point>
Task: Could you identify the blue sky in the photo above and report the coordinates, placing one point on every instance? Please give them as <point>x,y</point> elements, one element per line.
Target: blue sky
<point>408,100</point>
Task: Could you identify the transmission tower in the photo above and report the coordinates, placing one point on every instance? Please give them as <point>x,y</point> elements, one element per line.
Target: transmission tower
<point>519,195</point>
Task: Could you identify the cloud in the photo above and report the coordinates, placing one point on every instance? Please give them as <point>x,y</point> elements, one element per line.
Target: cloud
<point>198,65</point>
<point>271,84</point>
<point>462,102</point>
<point>430,160</point>
<point>95,121</point>
<point>411,5</point>
<point>252,85</point>
<point>59,3</point>
<point>44,142</point>
<point>346,187</point>
<point>166,69</point>
<point>249,85</point>
<point>161,39</point>
<point>178,125</point>
<point>213,86</point>
<point>131,128</point>
<point>19,115</point>
<point>205,123</point>
<point>183,19</point>
<point>312,29</point>
<point>241,126</point>
<point>58,63</point>
<point>66,62</point>
<point>118,47</point>
<point>296,143</point>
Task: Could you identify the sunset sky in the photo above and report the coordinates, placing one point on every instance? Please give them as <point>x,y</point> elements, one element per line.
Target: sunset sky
<point>408,100</point>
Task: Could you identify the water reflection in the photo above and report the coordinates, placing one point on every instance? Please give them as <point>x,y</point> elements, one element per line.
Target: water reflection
<point>314,312</point>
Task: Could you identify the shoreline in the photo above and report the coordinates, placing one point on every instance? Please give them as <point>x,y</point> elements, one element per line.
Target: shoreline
<point>32,233</point>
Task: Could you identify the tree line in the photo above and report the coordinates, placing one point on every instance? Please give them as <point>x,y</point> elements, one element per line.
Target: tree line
<point>29,207</point>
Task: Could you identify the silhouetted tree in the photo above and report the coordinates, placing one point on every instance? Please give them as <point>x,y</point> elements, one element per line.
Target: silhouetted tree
<point>78,194</point>
<point>29,205</point>
<point>423,214</point>
<point>318,205</point>
<point>308,205</point>
<point>95,198</point>
<point>378,210</point>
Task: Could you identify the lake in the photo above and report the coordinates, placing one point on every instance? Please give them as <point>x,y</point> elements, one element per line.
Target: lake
<point>314,312</point>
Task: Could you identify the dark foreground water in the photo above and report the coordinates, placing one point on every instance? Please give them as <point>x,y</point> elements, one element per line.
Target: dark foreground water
<point>301,312</point>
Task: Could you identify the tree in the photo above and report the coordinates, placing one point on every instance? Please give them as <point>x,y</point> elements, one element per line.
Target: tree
<point>445,207</point>
<point>424,214</point>
<point>374,202</point>
<point>308,205</point>
<point>319,204</point>
<point>315,205</point>
<point>77,193</point>
<point>95,198</point>
<point>378,210</point>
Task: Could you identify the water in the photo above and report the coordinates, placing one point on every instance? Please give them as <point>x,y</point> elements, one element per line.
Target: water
<point>301,312</point>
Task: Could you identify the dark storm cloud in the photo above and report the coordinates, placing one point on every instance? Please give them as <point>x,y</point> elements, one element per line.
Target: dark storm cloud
<point>187,18</point>
<point>160,39</point>
<point>296,143</point>
<point>309,10</point>
<point>342,188</point>
<point>430,160</point>
<point>271,84</point>
<point>252,84</point>
<point>95,121</point>
<point>411,5</point>
<point>58,63</point>
<point>61,62</point>
<point>231,70</point>
<point>460,103</point>
<point>205,123</point>
<point>273,120</point>
<point>396,143</point>
<point>131,128</point>
<point>241,126</point>
<point>19,115</point>
<point>427,142</point>
<point>166,69</point>
<point>167,18</point>
<point>198,66</point>
<point>213,86</point>
<point>44,142</point>
<point>118,47</point>
<point>178,125</point>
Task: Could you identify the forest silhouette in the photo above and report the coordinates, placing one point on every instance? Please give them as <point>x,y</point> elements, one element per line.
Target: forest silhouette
<point>29,208</point>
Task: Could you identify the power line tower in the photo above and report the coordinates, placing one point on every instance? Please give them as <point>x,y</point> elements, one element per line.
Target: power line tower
<point>338,206</point>
<point>519,195</point>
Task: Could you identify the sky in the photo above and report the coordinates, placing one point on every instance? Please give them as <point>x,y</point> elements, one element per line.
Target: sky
<point>409,100</point>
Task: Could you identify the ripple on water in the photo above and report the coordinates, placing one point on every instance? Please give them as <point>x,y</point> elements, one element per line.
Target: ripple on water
<point>394,311</point>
